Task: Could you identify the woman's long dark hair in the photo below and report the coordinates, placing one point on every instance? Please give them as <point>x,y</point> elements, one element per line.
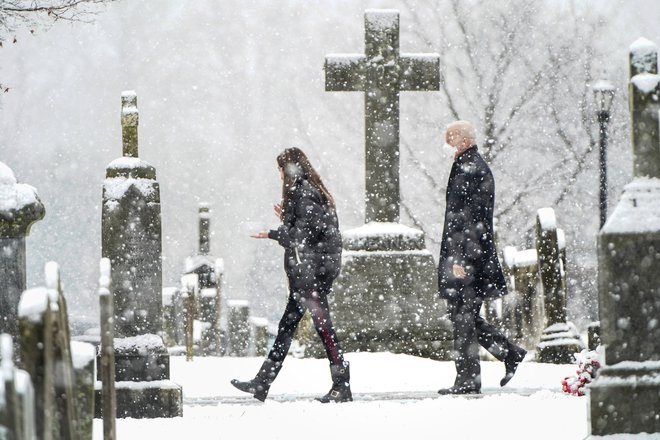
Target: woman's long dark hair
<point>296,166</point>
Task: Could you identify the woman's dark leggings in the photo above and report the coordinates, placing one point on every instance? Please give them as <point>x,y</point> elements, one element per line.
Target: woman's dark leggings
<point>316,301</point>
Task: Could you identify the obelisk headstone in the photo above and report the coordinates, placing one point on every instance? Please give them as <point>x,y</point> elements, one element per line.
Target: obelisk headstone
<point>625,396</point>
<point>131,240</point>
<point>385,297</point>
<point>20,208</point>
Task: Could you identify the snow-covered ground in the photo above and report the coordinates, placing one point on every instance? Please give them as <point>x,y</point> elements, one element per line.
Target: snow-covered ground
<point>395,397</point>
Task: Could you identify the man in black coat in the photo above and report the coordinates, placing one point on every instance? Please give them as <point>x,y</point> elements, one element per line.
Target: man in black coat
<point>469,269</point>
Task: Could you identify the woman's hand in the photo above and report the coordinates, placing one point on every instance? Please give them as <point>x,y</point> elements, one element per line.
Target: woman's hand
<point>278,210</point>
<point>262,234</point>
<point>459,271</point>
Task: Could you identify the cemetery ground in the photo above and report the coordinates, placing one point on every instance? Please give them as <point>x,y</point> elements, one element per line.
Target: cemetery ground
<point>395,396</point>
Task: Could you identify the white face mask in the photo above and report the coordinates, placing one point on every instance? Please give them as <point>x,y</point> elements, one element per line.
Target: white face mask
<point>448,150</point>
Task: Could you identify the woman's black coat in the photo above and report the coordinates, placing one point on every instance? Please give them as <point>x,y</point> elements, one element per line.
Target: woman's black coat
<point>467,237</point>
<point>310,236</point>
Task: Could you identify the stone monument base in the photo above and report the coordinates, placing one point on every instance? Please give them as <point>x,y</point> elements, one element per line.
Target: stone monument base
<point>144,400</point>
<point>142,373</point>
<point>559,343</point>
<point>625,398</point>
<point>385,298</point>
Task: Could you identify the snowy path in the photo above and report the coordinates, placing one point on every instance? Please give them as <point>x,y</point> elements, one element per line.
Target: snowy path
<point>395,397</point>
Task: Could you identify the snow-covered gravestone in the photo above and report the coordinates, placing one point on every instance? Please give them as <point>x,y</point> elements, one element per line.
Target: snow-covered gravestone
<point>385,297</point>
<point>625,396</point>
<point>20,208</point>
<point>209,284</point>
<point>523,309</point>
<point>36,341</point>
<point>131,239</point>
<point>560,339</point>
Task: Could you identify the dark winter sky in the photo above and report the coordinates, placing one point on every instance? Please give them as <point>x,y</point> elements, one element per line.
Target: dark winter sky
<point>222,88</point>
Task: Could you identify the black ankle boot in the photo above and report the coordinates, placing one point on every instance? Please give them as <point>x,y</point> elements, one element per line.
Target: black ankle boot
<point>513,358</point>
<point>260,385</point>
<point>341,388</point>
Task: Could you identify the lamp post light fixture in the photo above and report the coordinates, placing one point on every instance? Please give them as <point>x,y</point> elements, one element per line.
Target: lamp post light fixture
<point>603,95</point>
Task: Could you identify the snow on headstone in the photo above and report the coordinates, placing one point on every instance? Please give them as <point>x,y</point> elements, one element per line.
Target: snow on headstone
<point>555,346</point>
<point>626,394</point>
<point>131,238</point>
<point>131,232</point>
<point>643,57</point>
<point>20,208</point>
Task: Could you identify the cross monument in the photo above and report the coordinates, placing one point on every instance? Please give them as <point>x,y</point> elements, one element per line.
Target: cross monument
<point>382,73</point>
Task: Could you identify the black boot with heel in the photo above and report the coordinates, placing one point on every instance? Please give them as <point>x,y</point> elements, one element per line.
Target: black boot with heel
<point>260,385</point>
<point>341,387</point>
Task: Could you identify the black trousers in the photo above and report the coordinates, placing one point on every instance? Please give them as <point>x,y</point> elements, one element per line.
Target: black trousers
<point>470,331</point>
<point>316,301</point>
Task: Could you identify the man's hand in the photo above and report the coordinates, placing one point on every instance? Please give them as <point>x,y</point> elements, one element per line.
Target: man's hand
<point>278,210</point>
<point>262,234</point>
<point>459,271</point>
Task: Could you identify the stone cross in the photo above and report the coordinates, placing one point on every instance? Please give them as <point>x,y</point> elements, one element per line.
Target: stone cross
<point>129,123</point>
<point>382,73</point>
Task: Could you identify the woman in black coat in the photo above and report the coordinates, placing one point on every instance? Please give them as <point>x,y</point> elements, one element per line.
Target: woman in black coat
<point>310,236</point>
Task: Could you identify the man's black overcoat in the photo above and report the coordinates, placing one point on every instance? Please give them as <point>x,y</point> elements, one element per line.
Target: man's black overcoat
<point>467,237</point>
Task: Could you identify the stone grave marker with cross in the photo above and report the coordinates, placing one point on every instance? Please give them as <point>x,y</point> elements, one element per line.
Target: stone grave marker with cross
<point>385,297</point>
<point>132,240</point>
<point>382,73</point>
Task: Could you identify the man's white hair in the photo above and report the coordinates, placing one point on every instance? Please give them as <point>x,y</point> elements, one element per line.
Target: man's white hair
<point>464,129</point>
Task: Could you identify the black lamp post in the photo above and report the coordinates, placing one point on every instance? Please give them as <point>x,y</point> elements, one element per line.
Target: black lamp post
<point>604,95</point>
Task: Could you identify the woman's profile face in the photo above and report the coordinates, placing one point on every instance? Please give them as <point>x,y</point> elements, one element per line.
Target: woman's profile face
<point>279,168</point>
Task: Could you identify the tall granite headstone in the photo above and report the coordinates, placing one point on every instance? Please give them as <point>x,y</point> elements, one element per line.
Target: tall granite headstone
<point>20,208</point>
<point>560,339</point>
<point>625,397</point>
<point>131,240</point>
<point>386,295</point>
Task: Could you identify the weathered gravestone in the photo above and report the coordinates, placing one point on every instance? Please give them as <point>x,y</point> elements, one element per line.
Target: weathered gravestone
<point>259,332</point>
<point>560,339</point>
<point>47,356</point>
<point>239,327</point>
<point>20,208</point>
<point>106,350</point>
<point>209,285</point>
<point>625,397</point>
<point>16,396</point>
<point>131,240</point>
<point>523,307</point>
<point>386,295</point>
